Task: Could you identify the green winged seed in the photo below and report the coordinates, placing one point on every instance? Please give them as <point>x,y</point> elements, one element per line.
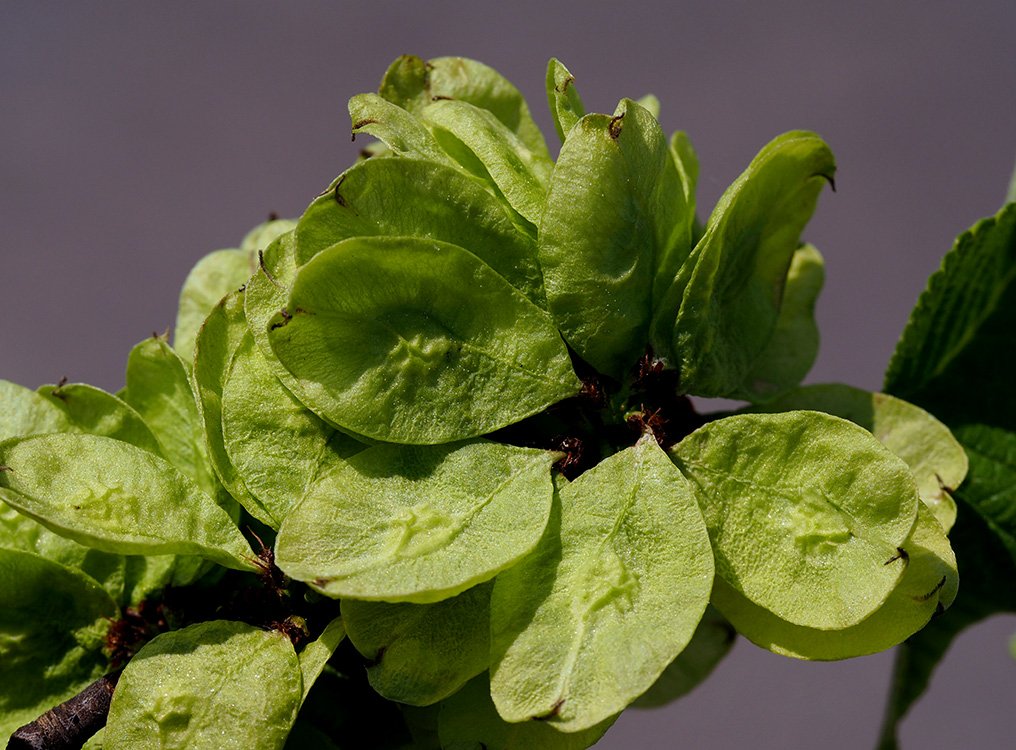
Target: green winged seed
<point>417,524</point>
<point>963,324</point>
<point>219,338</point>
<point>315,655</point>
<point>484,146</point>
<point>275,443</point>
<point>213,686</point>
<point>53,621</point>
<point>159,389</point>
<point>420,654</point>
<point>937,460</point>
<point>726,297</point>
<point>713,639</point>
<point>469,81</point>
<point>404,133</point>
<point>395,197</point>
<point>589,621</point>
<point>263,235</point>
<point>928,585</point>
<point>18,531</point>
<point>26,412</point>
<point>113,496</point>
<point>214,276</point>
<point>92,410</point>
<point>469,721</point>
<point>791,351</point>
<point>805,512</point>
<point>406,83</point>
<point>612,209</point>
<point>416,341</point>
<point>565,103</point>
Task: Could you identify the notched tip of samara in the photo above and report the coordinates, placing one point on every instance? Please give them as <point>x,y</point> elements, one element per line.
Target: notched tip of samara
<point>554,711</point>
<point>828,178</point>
<point>926,597</point>
<point>6,468</point>
<point>615,126</point>
<point>376,660</point>
<point>362,124</point>
<point>286,317</point>
<point>901,554</point>
<point>563,86</point>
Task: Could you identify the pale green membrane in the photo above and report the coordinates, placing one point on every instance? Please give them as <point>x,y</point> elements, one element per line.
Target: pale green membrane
<point>53,621</point>
<point>484,146</point>
<point>213,686</point>
<point>469,721</point>
<point>713,639</point>
<point>422,653</point>
<point>613,593</point>
<point>614,212</point>
<point>396,197</point>
<point>565,103</point>
<point>419,524</point>
<point>113,496</point>
<point>928,585</point>
<point>792,349</point>
<point>275,443</point>
<point>416,341</point>
<point>805,512</point>
<point>935,457</point>
<point>214,276</point>
<point>727,295</point>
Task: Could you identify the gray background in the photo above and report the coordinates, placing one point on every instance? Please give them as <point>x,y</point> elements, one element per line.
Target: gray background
<point>135,138</point>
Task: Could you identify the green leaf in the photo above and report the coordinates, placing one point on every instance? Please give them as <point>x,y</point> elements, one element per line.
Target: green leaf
<point>53,622</point>
<point>959,337</point>
<point>418,342</point>
<point>484,146</point>
<point>389,197</point>
<point>25,412</point>
<point>274,442</point>
<point>113,496</point>
<point>219,338</point>
<point>215,685</point>
<point>214,276</point>
<point>565,103</point>
<point>804,510</point>
<point>469,721</point>
<point>712,641</point>
<point>727,295</point>
<point>988,572</point>
<point>159,388</point>
<point>418,524</point>
<point>611,596</point>
<point>473,82</point>
<point>991,488</point>
<point>792,349</point>
<point>955,359</point>
<point>928,586</point>
<point>937,461</point>
<point>422,653</point>
<point>92,410</point>
<point>404,133</point>
<point>614,215</point>
<point>315,655</point>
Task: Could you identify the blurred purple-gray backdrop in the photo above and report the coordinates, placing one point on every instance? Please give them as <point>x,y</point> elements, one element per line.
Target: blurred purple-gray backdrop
<point>134,138</point>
